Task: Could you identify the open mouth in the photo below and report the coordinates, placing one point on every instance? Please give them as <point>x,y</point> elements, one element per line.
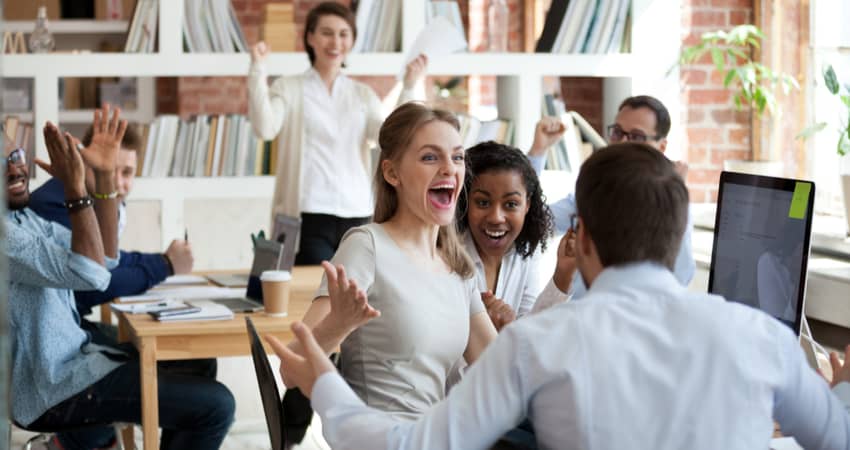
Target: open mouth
<point>441,196</point>
<point>495,235</point>
<point>17,185</point>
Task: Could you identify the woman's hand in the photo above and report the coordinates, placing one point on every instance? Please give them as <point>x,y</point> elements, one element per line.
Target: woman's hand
<point>500,312</point>
<point>349,307</point>
<point>259,52</point>
<point>840,372</point>
<point>415,71</point>
<point>566,266</point>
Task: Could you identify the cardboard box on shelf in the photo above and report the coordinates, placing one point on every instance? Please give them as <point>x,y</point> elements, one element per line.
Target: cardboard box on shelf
<point>114,9</point>
<point>28,9</point>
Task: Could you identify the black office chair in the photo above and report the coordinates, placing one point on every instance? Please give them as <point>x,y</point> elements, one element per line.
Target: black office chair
<point>268,390</point>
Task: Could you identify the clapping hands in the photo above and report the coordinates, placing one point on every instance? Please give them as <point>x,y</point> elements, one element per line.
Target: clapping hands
<point>349,306</point>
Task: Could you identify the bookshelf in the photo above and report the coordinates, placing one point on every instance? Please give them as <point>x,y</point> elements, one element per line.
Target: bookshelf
<point>655,41</point>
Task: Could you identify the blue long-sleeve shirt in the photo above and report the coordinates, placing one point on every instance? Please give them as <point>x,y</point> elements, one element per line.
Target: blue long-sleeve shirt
<point>136,272</point>
<point>52,357</point>
<point>684,268</point>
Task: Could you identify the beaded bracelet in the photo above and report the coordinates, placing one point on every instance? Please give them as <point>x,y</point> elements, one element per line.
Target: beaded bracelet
<point>78,204</point>
<point>111,195</point>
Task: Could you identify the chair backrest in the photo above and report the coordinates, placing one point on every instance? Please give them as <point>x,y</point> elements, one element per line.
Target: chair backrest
<point>268,389</point>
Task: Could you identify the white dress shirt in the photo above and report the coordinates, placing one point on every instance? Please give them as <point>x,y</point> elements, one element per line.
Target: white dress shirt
<point>641,363</point>
<point>335,180</point>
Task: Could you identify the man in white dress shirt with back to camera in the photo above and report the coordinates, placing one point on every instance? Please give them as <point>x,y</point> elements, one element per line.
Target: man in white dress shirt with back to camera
<point>641,363</point>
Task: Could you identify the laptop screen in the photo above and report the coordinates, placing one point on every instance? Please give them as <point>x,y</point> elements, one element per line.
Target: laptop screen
<point>761,243</point>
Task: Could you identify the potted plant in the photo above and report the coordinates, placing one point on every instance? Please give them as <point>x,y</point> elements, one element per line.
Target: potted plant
<point>752,82</point>
<point>842,147</point>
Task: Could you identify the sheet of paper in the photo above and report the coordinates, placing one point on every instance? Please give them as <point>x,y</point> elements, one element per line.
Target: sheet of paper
<point>183,279</point>
<point>184,293</point>
<point>145,307</point>
<point>209,311</point>
<point>438,38</point>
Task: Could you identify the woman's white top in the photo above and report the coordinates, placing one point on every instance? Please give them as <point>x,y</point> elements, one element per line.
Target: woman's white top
<point>280,111</point>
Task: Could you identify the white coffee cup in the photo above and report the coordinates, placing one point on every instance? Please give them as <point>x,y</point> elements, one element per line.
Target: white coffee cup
<point>276,292</point>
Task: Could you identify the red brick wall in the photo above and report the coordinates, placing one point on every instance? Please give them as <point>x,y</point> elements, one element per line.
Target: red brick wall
<point>714,130</point>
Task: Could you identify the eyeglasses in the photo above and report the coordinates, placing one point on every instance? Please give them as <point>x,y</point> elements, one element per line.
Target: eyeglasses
<point>574,222</point>
<point>616,134</point>
<point>17,158</point>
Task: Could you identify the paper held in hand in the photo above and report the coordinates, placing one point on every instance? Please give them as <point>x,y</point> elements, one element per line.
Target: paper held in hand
<point>438,38</point>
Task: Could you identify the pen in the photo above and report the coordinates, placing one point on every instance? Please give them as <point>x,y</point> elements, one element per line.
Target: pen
<point>186,234</point>
<point>147,306</point>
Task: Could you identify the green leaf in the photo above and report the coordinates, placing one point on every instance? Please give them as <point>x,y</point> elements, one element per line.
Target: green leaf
<point>830,79</point>
<point>717,59</point>
<point>843,145</point>
<point>760,100</point>
<point>729,77</point>
<point>738,53</point>
<point>811,130</point>
<point>846,100</point>
<point>738,101</point>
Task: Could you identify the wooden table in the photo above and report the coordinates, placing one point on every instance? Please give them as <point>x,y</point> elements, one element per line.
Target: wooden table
<point>158,341</point>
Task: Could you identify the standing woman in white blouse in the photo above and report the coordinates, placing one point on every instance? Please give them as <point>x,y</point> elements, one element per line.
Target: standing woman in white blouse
<point>325,124</point>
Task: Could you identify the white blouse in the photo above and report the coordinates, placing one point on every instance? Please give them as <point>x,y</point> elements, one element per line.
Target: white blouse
<point>335,180</point>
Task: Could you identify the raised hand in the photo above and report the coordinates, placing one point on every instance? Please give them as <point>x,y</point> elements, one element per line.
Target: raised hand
<point>415,71</point>
<point>102,153</point>
<point>547,132</point>
<point>840,372</point>
<point>349,306</point>
<point>566,265</point>
<point>681,169</point>
<point>298,370</point>
<point>66,164</point>
<point>259,52</point>
<point>500,312</point>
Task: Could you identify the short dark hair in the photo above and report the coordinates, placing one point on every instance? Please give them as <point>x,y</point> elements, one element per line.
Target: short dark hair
<point>492,157</point>
<point>132,140</point>
<point>662,116</point>
<point>633,204</point>
<point>326,9</point>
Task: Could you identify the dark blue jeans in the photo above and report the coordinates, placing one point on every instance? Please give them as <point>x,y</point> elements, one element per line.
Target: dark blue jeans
<point>194,412</point>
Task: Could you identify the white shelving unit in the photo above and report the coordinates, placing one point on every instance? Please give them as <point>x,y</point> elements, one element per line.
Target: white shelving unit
<point>655,40</point>
<point>75,37</point>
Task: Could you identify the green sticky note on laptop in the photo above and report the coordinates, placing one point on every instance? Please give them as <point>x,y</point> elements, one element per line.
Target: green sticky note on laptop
<point>800,200</point>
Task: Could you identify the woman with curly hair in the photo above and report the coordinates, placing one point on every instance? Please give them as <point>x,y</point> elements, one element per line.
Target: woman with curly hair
<point>506,223</point>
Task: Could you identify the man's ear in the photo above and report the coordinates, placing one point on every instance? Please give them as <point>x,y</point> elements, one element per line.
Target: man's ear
<point>584,244</point>
<point>662,145</point>
<point>389,172</point>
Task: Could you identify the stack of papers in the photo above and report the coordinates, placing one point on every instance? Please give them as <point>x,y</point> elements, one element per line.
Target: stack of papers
<point>184,293</point>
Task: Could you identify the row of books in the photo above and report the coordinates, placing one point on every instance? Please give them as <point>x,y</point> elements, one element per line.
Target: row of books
<point>204,146</point>
<point>211,26</point>
<point>378,26</point>
<point>474,131</point>
<point>586,26</point>
<point>278,28</point>
<point>141,34</point>
<point>579,139</point>
<point>20,135</point>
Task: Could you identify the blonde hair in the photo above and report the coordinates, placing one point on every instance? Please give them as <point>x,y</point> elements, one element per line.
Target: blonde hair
<point>395,136</point>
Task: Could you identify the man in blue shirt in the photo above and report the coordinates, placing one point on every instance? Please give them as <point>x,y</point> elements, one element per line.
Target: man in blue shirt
<point>136,272</point>
<point>639,119</point>
<point>641,362</point>
<point>60,378</point>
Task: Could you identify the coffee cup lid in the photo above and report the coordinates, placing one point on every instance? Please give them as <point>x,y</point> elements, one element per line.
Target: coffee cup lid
<point>275,275</point>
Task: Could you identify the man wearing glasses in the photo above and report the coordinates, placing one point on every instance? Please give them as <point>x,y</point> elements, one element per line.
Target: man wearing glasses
<point>61,380</point>
<point>642,119</point>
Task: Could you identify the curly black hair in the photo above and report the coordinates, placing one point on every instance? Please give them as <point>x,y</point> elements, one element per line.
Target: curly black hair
<point>491,156</point>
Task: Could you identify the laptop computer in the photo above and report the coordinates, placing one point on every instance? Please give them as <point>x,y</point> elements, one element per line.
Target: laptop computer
<point>267,256</point>
<point>287,231</point>
<point>762,237</point>
<point>269,393</point>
